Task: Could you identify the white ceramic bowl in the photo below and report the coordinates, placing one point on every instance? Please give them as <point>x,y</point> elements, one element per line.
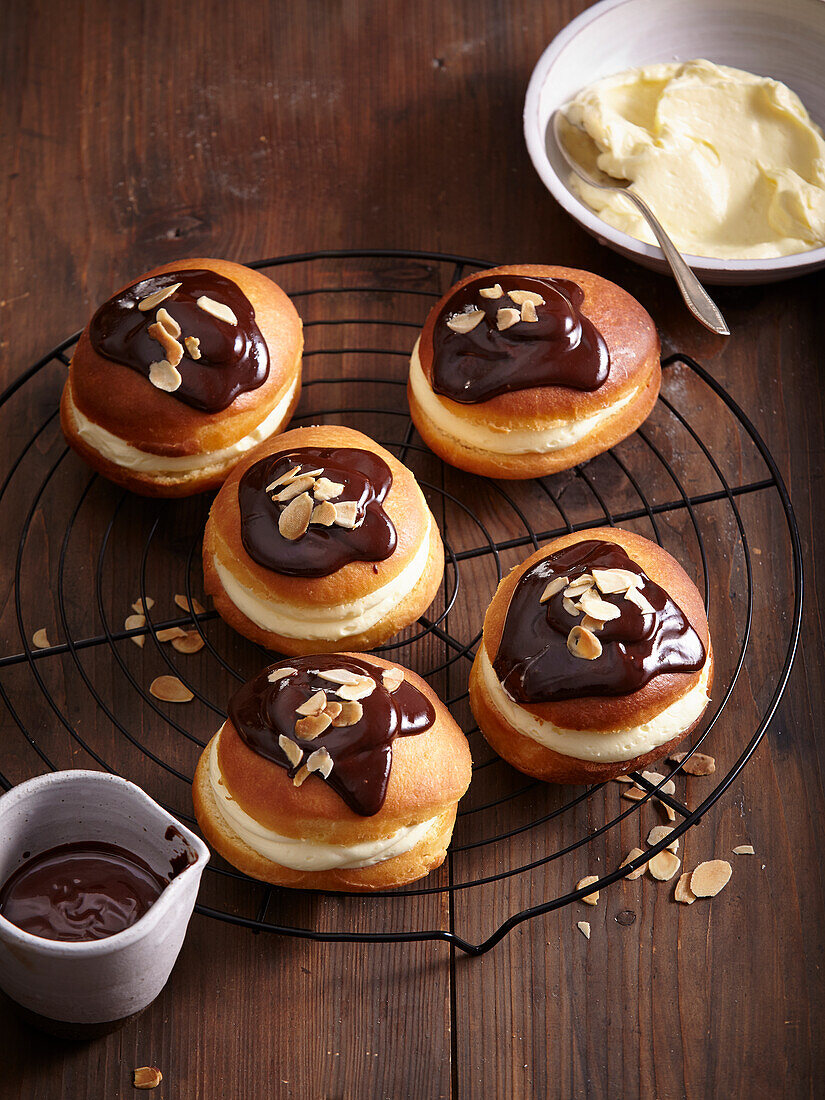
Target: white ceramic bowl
<point>784,39</point>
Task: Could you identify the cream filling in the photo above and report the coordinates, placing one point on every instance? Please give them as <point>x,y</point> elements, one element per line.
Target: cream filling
<point>327,622</point>
<point>590,744</point>
<point>308,855</point>
<point>121,453</point>
<point>553,436</point>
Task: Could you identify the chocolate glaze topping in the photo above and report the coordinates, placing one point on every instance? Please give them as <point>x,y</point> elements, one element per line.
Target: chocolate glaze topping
<point>533,662</point>
<point>87,890</point>
<point>561,348</point>
<point>320,550</point>
<point>233,358</point>
<point>361,753</point>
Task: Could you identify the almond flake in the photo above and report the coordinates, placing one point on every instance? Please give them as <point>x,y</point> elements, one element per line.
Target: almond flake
<point>584,643</point>
<point>134,622</point>
<point>592,898</point>
<point>294,520</point>
<point>633,794</point>
<point>506,318</point>
<point>698,764</point>
<point>169,633</point>
<point>653,777</point>
<point>668,787</point>
<point>183,604</point>
<point>170,690</point>
<point>659,832</point>
<point>522,296</point>
<point>570,608</point>
<point>320,761</point>
<point>552,588</point>
<point>147,1077</point>
<point>294,488</point>
<point>283,479</point>
<point>138,639</point>
<point>217,309</point>
<point>579,584</point>
<point>333,709</point>
<point>165,318</point>
<point>644,605</point>
<point>351,692</point>
<point>301,775</point>
<point>494,291</point>
<point>173,349</point>
<point>609,581</point>
<point>670,813</point>
<point>279,673</point>
<point>193,346</point>
<point>147,304</point>
<point>40,640</point>
<point>314,705</point>
<point>346,514</point>
<point>744,850</point>
<point>664,865</point>
<point>584,927</point>
<point>634,853</point>
<point>141,607</point>
<point>323,514</point>
<point>164,376</point>
<point>326,489</point>
<point>191,642</point>
<point>351,712</point>
<point>589,623</point>
<point>291,751</point>
<point>528,312</point>
<point>710,877</point>
<point>465,322</point>
<point>590,603</point>
<point>312,726</point>
<point>339,676</point>
<point>683,892</point>
<point>392,678</point>
<point>622,779</point>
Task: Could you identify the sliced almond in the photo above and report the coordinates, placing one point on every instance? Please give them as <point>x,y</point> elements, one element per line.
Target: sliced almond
<point>323,514</point>
<point>668,787</point>
<point>744,850</point>
<point>173,349</point>
<point>653,777</point>
<point>633,794</point>
<point>506,318</point>
<point>191,642</point>
<point>314,705</point>
<point>291,751</point>
<point>333,709</point>
<point>139,640</point>
<point>351,692</point>
<point>659,832</point>
<point>710,877</point>
<point>346,514</point>
<point>134,622</point>
<point>592,898</point>
<point>465,322</point>
<point>392,678</point>
<point>570,608</point>
<point>339,676</point>
<point>622,779</point>
<point>164,376</point>
<point>279,673</point>
<point>40,640</point>
<point>320,761</point>
<point>301,775</point>
<point>589,623</point>
<point>683,892</point>
<point>165,318</point>
<point>283,479</point>
<point>579,584</point>
<point>670,813</point>
<point>664,865</point>
<point>193,346</point>
<point>528,312</point>
<point>699,764</point>
<point>183,604</point>
<point>552,588</point>
<point>584,927</point>
<point>615,580</point>
<point>326,489</point>
<point>351,712</point>
<point>141,607</point>
<point>494,291</point>
<point>294,488</point>
<point>170,633</point>
<point>521,297</point>
<point>294,520</point>
<point>312,726</point>
<point>599,609</point>
<point>170,690</point>
<point>634,853</point>
<point>149,303</point>
<point>147,1077</point>
<point>584,643</point>
<point>641,601</point>
<point>217,309</point>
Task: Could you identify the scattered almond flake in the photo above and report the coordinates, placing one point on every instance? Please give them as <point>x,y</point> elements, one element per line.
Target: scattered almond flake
<point>670,813</point>
<point>653,777</point>
<point>291,751</point>
<point>584,643</point>
<point>570,608</point>
<point>592,898</point>
<point>170,690</point>
<point>493,291</point>
<point>506,318</point>
<point>664,865</point>
<point>520,297</point>
<point>668,787</point>
<point>683,892</point>
<point>294,488</point>
<point>346,514</point>
<point>552,588</point>
<point>191,642</point>
<point>622,779</point>
<point>283,479</point>
<point>217,309</point>
<point>351,692</point>
<point>744,850</point>
<point>301,774</point>
<point>193,346</point>
<point>183,604</point>
<point>351,712</point>
<point>279,673</point>
<point>294,520</point>
<point>165,318</point>
<point>141,607</point>
<point>314,705</point>
<point>164,376</point>
<point>710,877</point>
<point>339,676</point>
<point>323,514</point>
<point>528,312</point>
<point>149,303</point>
<point>139,640</point>
<point>578,585</point>
<point>590,603</point>
<point>147,1077</point>
<point>173,349</point>
<point>320,761</point>
<point>698,764</point>
<point>169,633</point>
<point>333,709</point>
<point>392,678</point>
<point>609,581</point>
<point>134,622</point>
<point>593,625</point>
<point>584,927</point>
<point>633,794</point>
<point>634,853</point>
<point>641,601</point>
<point>40,640</point>
<point>465,322</point>
<point>659,832</point>
<point>312,726</point>
<point>326,489</point>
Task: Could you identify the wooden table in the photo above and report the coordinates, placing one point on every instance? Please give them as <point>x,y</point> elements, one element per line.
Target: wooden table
<point>139,133</point>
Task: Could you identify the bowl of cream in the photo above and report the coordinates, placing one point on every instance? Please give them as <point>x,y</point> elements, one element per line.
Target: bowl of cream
<point>713,110</point>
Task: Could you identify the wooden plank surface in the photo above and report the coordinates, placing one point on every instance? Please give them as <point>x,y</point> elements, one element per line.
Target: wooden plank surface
<point>137,133</point>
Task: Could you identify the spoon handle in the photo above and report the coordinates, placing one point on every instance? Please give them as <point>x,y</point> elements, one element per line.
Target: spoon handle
<point>696,298</point>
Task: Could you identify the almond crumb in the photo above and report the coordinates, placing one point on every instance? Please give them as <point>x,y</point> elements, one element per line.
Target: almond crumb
<point>584,927</point>
<point>744,850</point>
<point>592,898</point>
<point>193,346</point>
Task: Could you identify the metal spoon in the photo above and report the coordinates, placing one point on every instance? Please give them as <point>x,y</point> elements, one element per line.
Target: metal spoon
<point>698,301</point>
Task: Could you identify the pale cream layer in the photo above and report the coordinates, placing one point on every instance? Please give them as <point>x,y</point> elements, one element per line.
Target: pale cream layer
<point>121,453</point>
<point>552,436</point>
<point>308,855</point>
<point>610,747</point>
<point>329,622</point>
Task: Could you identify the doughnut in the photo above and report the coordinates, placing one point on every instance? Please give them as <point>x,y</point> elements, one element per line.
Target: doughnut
<point>180,374</point>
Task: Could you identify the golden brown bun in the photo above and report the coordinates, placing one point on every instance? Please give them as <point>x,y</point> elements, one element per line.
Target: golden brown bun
<point>430,773</point>
<point>634,348</point>
<point>126,404</point>
<point>600,714</point>
<point>404,504</point>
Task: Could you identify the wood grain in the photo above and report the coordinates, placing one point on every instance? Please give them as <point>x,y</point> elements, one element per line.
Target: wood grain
<point>139,133</point>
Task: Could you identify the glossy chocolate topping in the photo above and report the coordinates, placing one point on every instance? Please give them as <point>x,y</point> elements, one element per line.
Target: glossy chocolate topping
<point>533,662</point>
<point>321,550</point>
<point>560,348</point>
<point>233,357</point>
<point>87,890</point>
<point>361,753</point>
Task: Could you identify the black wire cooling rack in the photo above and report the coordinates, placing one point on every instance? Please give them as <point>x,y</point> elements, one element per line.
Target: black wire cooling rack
<point>77,551</point>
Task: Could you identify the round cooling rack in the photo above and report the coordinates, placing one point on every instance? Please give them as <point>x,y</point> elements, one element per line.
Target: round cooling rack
<point>77,552</point>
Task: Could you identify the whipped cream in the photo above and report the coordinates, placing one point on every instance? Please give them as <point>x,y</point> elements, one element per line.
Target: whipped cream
<point>611,747</point>
<point>308,855</point>
<point>553,436</point>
